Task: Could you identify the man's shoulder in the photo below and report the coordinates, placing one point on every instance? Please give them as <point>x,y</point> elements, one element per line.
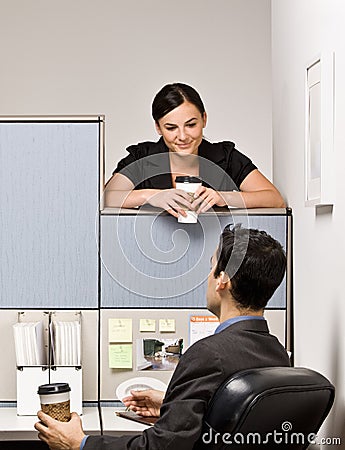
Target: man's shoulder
<point>231,334</point>
<point>212,342</point>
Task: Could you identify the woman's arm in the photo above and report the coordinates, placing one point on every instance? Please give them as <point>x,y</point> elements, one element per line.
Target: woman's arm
<point>256,192</point>
<point>120,193</point>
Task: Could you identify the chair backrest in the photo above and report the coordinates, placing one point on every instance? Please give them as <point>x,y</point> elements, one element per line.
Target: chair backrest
<point>273,407</point>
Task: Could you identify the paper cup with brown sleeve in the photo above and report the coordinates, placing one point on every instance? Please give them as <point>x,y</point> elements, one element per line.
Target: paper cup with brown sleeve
<point>55,400</point>
<point>190,185</point>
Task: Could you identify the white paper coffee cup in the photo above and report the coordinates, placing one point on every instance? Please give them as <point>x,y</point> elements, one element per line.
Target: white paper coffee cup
<point>55,400</point>
<point>190,185</point>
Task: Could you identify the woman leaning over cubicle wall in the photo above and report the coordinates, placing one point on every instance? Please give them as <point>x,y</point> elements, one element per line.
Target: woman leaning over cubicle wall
<point>147,175</point>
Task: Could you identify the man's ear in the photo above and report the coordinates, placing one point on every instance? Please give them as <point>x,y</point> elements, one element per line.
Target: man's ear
<point>158,129</point>
<point>223,281</point>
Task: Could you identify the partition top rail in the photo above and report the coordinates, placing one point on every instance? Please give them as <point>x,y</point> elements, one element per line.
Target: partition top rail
<point>149,210</point>
<point>53,118</point>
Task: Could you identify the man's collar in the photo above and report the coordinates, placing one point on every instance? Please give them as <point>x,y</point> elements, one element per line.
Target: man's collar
<point>227,323</point>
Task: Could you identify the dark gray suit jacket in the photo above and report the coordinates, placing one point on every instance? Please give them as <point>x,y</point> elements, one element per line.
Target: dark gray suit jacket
<point>201,370</point>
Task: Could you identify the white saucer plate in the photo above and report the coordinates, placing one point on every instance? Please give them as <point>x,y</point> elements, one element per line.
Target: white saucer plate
<point>138,384</point>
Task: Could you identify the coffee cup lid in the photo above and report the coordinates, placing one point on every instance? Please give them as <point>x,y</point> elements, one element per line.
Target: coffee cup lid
<point>186,179</point>
<point>54,388</point>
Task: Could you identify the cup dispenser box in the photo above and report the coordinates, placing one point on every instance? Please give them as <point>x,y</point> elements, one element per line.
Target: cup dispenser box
<point>48,350</point>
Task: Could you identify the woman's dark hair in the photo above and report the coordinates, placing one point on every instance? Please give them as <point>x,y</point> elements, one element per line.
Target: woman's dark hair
<point>255,263</point>
<point>173,95</point>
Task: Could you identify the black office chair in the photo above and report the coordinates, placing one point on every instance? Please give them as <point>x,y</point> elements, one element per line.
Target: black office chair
<point>273,407</point>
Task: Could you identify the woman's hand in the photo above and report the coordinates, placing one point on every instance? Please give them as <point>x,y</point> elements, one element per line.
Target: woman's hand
<point>174,201</point>
<point>145,403</point>
<point>205,198</point>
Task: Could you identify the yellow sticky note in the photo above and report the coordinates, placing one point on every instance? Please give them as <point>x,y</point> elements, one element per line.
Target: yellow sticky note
<point>147,325</point>
<point>120,330</point>
<point>167,325</point>
<point>120,356</point>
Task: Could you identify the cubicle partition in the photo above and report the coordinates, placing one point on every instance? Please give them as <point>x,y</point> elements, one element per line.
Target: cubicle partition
<point>49,195</point>
<point>49,191</point>
<point>154,267</point>
<point>61,251</point>
<point>150,260</point>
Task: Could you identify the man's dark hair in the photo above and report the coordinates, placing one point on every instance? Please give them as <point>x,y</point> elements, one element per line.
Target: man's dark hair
<point>255,263</point>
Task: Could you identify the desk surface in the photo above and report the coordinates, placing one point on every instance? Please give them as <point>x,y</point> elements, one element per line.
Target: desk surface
<point>114,425</point>
<point>21,428</point>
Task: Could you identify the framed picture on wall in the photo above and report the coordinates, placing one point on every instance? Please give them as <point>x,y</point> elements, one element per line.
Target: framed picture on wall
<point>319,127</point>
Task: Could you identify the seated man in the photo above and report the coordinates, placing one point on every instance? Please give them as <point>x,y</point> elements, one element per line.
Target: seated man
<point>247,268</point>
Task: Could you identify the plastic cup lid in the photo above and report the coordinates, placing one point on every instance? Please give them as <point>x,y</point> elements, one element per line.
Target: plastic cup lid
<point>186,179</point>
<point>54,388</point>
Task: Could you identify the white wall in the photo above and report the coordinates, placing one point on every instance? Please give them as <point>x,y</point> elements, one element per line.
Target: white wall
<point>111,57</point>
<point>302,29</point>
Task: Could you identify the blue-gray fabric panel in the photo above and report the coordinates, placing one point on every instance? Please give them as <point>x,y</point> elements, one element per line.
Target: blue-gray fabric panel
<point>49,200</point>
<point>155,262</point>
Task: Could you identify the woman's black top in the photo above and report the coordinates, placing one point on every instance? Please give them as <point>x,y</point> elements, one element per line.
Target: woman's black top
<point>221,166</point>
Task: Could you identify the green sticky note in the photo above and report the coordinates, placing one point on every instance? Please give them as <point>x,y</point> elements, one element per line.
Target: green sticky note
<point>120,356</point>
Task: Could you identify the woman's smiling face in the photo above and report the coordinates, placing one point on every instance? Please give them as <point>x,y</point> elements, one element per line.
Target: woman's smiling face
<point>182,129</point>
